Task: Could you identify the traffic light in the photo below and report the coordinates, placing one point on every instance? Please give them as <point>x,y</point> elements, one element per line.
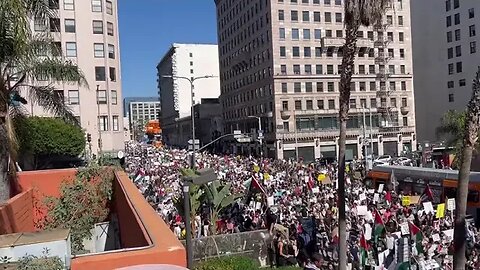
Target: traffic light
<point>89,137</point>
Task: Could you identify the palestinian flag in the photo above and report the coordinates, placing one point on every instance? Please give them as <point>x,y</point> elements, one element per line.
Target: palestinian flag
<point>364,247</point>
<point>253,188</point>
<point>379,225</point>
<point>427,195</point>
<point>404,266</point>
<point>417,233</point>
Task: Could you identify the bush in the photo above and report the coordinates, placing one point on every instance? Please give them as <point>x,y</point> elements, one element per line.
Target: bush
<point>228,263</point>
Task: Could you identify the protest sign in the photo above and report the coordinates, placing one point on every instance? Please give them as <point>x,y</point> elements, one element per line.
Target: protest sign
<point>451,204</point>
<point>428,207</point>
<point>406,200</point>
<point>380,188</point>
<point>440,210</point>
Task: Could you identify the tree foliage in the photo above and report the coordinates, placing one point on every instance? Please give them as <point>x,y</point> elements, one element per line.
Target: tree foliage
<point>452,127</point>
<point>82,203</point>
<point>49,136</point>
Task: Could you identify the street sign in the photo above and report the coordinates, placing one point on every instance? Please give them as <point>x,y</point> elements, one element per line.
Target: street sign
<point>197,142</point>
<point>244,140</point>
<point>260,134</point>
<point>237,134</point>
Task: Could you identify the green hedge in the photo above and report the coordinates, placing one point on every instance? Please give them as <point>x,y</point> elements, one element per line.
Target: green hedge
<point>234,263</point>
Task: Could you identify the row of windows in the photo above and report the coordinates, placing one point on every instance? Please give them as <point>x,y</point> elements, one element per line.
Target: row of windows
<point>321,123</point>
<point>302,105</point>
<point>456,18</point>
<point>318,52</point>
<point>98,50</point>
<point>247,96</point>
<point>97,5</point>
<point>315,2</point>
<point>471,31</point>
<point>308,87</point>
<point>103,124</point>
<point>461,83</point>
<point>448,4</point>
<point>100,74</point>
<point>458,67</point>
<point>73,97</point>
<point>317,34</point>
<point>240,6</point>
<point>458,50</point>
<point>307,70</point>
<point>40,25</point>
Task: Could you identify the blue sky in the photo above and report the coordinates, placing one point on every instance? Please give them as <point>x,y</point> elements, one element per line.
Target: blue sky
<point>149,27</point>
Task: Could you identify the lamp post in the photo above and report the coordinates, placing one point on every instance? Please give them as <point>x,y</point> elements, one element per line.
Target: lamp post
<point>260,138</point>
<point>192,87</point>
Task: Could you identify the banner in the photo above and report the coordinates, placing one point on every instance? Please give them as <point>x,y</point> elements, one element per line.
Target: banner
<point>406,200</point>
<point>441,210</point>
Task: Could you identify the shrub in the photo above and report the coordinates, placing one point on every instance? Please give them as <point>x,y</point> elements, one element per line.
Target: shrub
<point>228,263</point>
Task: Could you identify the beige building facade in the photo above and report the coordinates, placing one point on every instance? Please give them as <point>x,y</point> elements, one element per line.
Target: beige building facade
<point>280,60</point>
<point>87,32</point>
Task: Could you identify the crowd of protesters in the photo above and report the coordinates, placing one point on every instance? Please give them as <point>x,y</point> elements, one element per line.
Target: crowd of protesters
<point>297,203</point>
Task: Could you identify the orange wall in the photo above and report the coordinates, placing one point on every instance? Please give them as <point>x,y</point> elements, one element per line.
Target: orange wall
<point>16,215</point>
<point>140,225</point>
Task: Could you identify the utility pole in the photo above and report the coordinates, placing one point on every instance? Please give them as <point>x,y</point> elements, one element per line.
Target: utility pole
<point>260,133</point>
<point>365,145</point>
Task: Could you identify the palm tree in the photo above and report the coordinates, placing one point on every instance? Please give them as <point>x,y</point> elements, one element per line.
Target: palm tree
<point>26,58</point>
<point>357,13</point>
<point>452,130</point>
<point>470,136</point>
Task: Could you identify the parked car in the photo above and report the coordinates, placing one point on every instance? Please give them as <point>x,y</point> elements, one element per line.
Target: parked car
<point>404,161</point>
<point>383,159</point>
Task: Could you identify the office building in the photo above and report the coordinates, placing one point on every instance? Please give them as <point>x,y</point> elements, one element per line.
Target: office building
<point>446,59</point>
<point>87,33</point>
<point>280,60</point>
<point>140,110</point>
<point>188,61</point>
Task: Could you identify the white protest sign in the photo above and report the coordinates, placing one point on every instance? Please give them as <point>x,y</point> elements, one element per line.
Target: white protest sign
<point>428,207</point>
<point>270,201</point>
<point>449,234</point>
<point>362,210</point>
<point>371,191</point>
<point>404,228</point>
<point>380,188</point>
<point>436,237</point>
<point>368,232</point>
<point>315,190</point>
<point>451,204</point>
<point>376,197</point>
<point>362,197</point>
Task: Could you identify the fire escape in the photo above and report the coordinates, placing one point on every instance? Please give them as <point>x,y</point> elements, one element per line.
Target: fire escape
<point>384,92</point>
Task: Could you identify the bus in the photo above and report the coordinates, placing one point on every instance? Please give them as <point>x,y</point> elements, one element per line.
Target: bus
<point>413,180</point>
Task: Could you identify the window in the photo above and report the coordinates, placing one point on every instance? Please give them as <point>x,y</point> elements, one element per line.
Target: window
<point>100,74</point>
<point>449,36</point>
<point>373,86</point>
<point>308,87</point>
<point>448,5</point>
<point>456,4</point>
<point>284,87</point>
<point>316,16</point>
<point>404,102</point>
<point>400,20</point>
<point>471,30</point>
<point>471,13</point>
<point>283,51</point>
<point>294,15</point>
<point>53,4</point>
<point>328,17</point>
<point>318,33</point>
<point>338,2</point>
<point>73,97</point>
<point>308,69</point>
<point>114,97</point>
<point>331,104</point>
<point>71,48</point>
<point>362,86</point>
<point>389,19</point>
<point>283,69</point>
<point>371,69</point>
<point>363,103</point>
<point>450,84</point>
<point>458,51</point>
<point>361,69</point>
<point>473,47</point>
<point>404,86</point>
<point>457,35</point>
<point>103,123</point>
<point>110,28</point>
<point>320,104</point>
<point>338,17</point>
<point>405,121</point>
<point>339,33</point>
<point>97,5</point>
<point>306,16</point>
<point>115,123</point>
<point>373,103</point>
<point>286,126</point>
<point>109,7</point>
<point>307,52</point>
<point>296,51</point>
<point>306,34</point>
<point>98,27</point>
<point>450,69</point>
<point>113,74</point>
<point>70,25</point>
<point>281,15</point>
<point>330,87</point>
<point>68,5</point>
<point>319,87</point>
<point>330,69</point>
<point>39,25</point>
<point>54,25</point>
<point>111,51</point>
<point>285,105</point>
<point>402,69</point>
<point>99,50</point>
<point>402,53</point>
<point>309,104</point>
<point>101,97</point>
<point>459,67</point>
<point>298,104</point>
<point>457,18</point>
<point>450,53</point>
<point>462,82</point>
<point>281,33</point>
<point>297,87</point>
<point>451,98</point>
<point>295,34</point>
<point>401,37</point>
<point>449,21</point>
<point>353,103</point>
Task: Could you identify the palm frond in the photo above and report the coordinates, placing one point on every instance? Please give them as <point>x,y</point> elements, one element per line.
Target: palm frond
<point>55,70</point>
<point>40,9</point>
<point>50,101</point>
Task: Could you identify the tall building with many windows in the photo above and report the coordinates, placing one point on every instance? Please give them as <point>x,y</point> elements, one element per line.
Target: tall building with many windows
<point>140,110</point>
<point>446,58</point>
<point>280,60</point>
<point>87,33</point>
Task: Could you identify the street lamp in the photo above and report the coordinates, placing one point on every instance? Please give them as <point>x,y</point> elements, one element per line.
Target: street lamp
<point>260,138</point>
<point>192,87</point>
